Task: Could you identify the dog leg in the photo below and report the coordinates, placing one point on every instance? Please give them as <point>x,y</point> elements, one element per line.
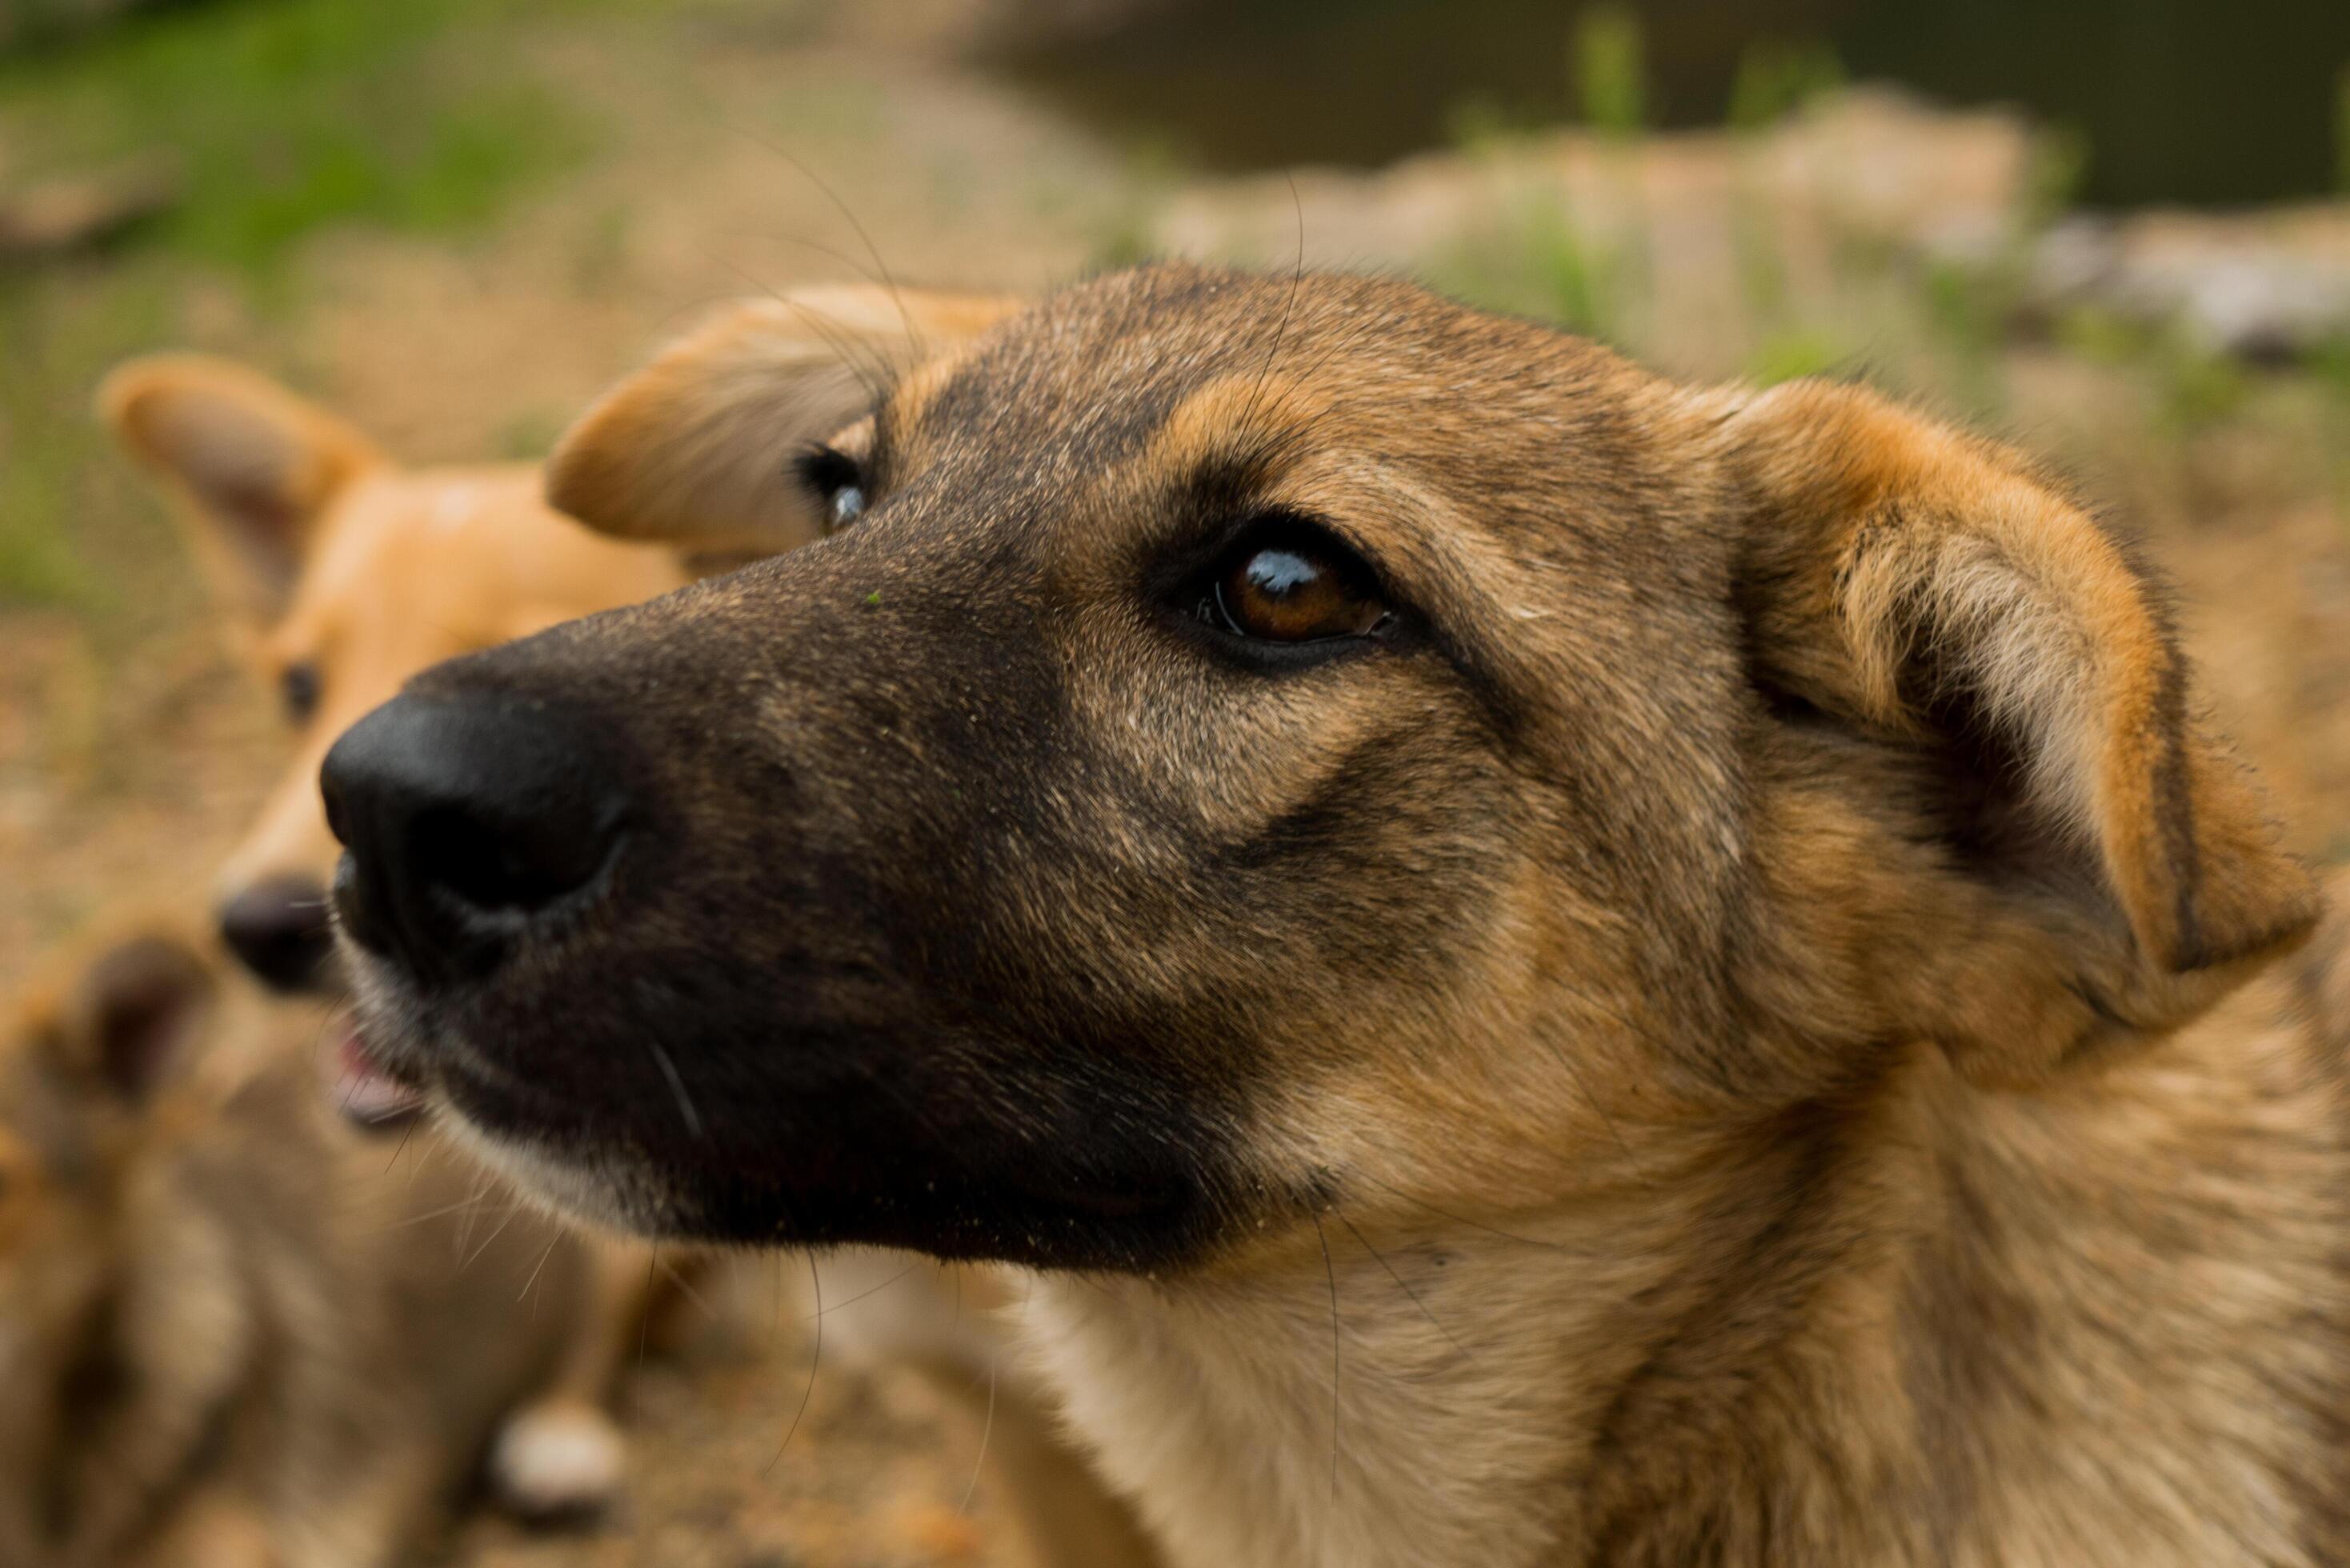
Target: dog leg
<point>561,1452</point>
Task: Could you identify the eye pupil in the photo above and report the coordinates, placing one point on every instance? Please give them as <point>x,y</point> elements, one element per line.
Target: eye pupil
<point>847,502</point>
<point>1308,590</point>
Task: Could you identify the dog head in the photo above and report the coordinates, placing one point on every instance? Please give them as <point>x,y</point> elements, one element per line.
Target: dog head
<point>1249,741</point>
<point>339,573</point>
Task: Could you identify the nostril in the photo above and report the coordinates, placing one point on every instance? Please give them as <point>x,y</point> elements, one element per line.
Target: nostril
<point>490,865</point>
<point>468,816</point>
<point>278,929</point>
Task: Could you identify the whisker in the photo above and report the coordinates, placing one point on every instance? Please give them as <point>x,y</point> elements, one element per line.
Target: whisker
<point>1351,1230</point>
<point>1459,1218</point>
<point>473,1204</point>
<point>676,1087</point>
<point>645,1320</point>
<point>868,1291</point>
<point>815,1357</point>
<point>874,376</point>
<point>1331,1274</point>
<point>668,1272</point>
<point>986,1429</point>
<point>432,1214</point>
<point>1296,282</point>
<point>896,296</point>
<point>828,251</point>
<point>553,1244</point>
<point>514,1207</point>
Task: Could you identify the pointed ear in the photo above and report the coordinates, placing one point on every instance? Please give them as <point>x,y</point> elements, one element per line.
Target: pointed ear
<point>137,1015</point>
<point>250,465</point>
<point>2095,863</point>
<point>696,447</point>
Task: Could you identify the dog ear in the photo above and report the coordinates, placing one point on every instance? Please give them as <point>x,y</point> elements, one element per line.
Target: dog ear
<point>696,448</point>
<point>134,1018</point>
<point>2093,864</point>
<point>250,465</point>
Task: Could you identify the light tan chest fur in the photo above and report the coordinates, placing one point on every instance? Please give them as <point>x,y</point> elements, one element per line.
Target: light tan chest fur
<point>2099,1325</point>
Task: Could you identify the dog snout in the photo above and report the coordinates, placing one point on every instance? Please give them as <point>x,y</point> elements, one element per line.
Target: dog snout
<point>279,928</point>
<point>467,819</point>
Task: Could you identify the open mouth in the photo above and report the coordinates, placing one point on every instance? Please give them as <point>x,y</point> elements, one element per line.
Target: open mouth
<point>360,1087</point>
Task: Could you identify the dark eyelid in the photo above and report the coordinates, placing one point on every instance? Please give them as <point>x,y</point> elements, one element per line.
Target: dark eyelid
<point>827,470</point>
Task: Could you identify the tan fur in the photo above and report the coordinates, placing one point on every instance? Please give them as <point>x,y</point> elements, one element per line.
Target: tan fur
<point>731,398</point>
<point>216,1348</point>
<point>1861,1120</point>
<point>326,556</point>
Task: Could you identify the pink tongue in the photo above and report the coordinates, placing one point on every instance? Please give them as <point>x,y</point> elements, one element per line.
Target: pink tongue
<point>362,1090</point>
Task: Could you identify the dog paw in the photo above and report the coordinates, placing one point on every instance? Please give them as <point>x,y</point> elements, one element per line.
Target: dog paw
<point>560,1459</point>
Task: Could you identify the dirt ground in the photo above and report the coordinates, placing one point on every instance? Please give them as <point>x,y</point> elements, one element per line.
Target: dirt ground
<point>132,753</point>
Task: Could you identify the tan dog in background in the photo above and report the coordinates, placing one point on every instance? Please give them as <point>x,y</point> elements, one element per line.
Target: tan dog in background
<point>1541,966</point>
<point>229,1337</point>
<point>339,573</point>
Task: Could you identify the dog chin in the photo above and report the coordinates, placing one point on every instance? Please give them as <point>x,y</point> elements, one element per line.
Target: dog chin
<point>564,1187</point>
<point>392,1041</point>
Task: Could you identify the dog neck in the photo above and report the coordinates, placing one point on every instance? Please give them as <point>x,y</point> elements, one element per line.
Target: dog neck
<point>1933,1324</point>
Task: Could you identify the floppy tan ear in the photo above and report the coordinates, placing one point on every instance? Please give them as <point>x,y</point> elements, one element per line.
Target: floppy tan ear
<point>696,447</point>
<point>250,465</point>
<point>1932,593</point>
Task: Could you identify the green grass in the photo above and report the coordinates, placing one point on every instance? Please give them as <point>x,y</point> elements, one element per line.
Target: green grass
<point>289,116</point>
<point>1776,80</point>
<point>55,471</point>
<point>2342,131</point>
<point>1534,261</point>
<point>1790,355</point>
<point>1611,71</point>
<point>285,119</point>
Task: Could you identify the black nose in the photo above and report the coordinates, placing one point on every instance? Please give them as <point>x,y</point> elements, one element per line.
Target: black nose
<point>278,927</point>
<point>468,817</point>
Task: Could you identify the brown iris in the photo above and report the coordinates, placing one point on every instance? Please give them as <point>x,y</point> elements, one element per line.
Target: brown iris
<point>1298,591</point>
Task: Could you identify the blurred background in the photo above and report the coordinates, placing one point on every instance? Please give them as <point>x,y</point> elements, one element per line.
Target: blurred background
<point>2117,230</point>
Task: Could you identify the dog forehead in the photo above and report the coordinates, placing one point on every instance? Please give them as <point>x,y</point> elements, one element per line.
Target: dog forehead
<point>1088,382</point>
<point>1089,375</point>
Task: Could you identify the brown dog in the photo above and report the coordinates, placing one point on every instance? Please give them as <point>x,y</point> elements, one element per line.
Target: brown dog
<point>1545,966</point>
<point>228,1337</point>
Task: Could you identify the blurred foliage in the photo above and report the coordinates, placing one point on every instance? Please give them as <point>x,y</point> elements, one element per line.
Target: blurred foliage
<point>283,119</point>
<point>52,475</point>
<point>287,116</point>
<point>1789,356</point>
<point>1610,74</point>
<point>2342,131</point>
<point>1775,79</point>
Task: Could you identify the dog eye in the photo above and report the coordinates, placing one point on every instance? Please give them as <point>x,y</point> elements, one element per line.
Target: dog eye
<point>838,484</point>
<point>1287,581</point>
<point>298,691</point>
